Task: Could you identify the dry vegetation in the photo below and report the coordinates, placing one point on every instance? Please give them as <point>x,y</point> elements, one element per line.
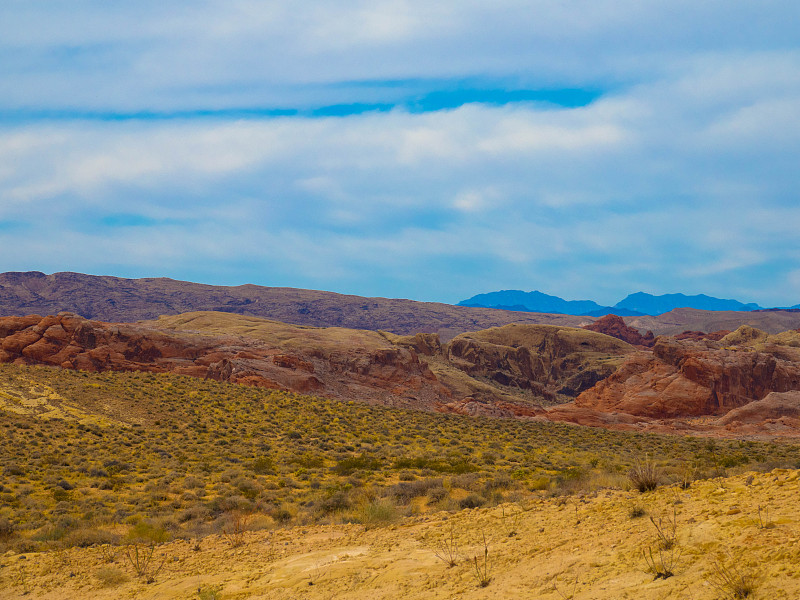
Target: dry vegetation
<point>134,463</point>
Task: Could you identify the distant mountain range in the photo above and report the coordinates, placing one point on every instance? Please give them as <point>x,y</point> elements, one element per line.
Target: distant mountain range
<point>634,305</point>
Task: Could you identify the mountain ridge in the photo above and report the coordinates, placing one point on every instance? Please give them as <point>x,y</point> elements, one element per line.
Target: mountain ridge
<point>637,304</point>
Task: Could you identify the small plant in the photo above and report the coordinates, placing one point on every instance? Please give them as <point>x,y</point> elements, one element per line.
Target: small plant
<point>208,592</point>
<point>688,475</point>
<point>637,511</point>
<point>728,580</point>
<point>142,558</point>
<point>567,595</point>
<point>667,530</point>
<point>375,513</point>
<point>110,576</point>
<point>660,563</point>
<point>644,475</point>
<point>447,550</point>
<point>510,521</point>
<point>481,569</point>
<point>234,533</point>
<point>764,519</point>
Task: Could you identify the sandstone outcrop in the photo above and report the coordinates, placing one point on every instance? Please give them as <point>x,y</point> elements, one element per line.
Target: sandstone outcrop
<point>552,363</point>
<point>615,326</point>
<point>376,372</point>
<point>685,378</point>
<point>507,371</point>
<point>501,371</point>
<point>775,406</point>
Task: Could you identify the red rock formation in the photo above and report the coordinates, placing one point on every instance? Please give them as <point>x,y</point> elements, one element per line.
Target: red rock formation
<point>615,327</point>
<point>773,407</point>
<point>691,378</point>
<point>391,375</point>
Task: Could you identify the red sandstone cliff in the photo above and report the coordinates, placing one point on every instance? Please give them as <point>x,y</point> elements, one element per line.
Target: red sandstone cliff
<point>685,378</point>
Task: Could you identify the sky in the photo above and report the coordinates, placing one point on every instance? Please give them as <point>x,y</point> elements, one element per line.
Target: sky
<point>423,150</point>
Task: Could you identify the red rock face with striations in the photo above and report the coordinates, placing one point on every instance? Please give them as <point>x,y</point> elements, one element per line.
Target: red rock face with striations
<point>388,375</point>
<point>615,327</point>
<point>685,378</point>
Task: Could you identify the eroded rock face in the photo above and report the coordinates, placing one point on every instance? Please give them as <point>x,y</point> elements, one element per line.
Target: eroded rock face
<point>382,374</point>
<point>550,362</point>
<point>615,327</point>
<point>686,378</point>
<point>775,406</point>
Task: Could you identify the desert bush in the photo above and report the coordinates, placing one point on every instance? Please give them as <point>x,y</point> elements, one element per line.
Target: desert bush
<point>467,481</point>
<point>405,491</point>
<point>660,562</point>
<point>662,558</point>
<point>338,501</point>
<point>142,557</point>
<point>472,501</point>
<point>146,532</point>
<point>85,537</point>
<point>636,511</point>
<point>263,465</point>
<point>376,512</point>
<point>110,576</point>
<point>481,568</point>
<point>730,581</point>
<point>501,481</point>
<point>281,515</point>
<point>237,524</point>
<point>645,476</point>
<point>347,466</point>
<point>447,549</point>
<point>6,528</point>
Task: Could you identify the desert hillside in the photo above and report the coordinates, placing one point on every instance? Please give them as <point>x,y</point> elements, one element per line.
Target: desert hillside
<point>126,300</point>
<point>157,485</point>
<point>116,299</point>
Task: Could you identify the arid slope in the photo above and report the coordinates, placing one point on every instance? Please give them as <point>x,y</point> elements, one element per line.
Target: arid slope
<point>589,548</point>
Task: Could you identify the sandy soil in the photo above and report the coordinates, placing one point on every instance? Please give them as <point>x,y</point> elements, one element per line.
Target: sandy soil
<point>581,548</point>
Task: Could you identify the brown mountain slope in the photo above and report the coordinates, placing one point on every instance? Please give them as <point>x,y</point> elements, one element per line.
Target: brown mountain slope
<point>684,319</point>
<point>115,299</point>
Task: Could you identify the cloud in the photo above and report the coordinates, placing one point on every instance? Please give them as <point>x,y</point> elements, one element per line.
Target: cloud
<point>151,139</point>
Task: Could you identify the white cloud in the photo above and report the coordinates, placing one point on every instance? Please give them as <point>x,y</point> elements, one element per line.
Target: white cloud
<point>681,177</point>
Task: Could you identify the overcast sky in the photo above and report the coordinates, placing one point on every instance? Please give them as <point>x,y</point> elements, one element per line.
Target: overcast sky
<point>426,150</point>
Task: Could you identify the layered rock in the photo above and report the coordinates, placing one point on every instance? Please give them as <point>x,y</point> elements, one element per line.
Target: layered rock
<point>508,371</point>
<point>684,378</point>
<point>375,372</point>
<point>552,363</point>
<point>615,326</point>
